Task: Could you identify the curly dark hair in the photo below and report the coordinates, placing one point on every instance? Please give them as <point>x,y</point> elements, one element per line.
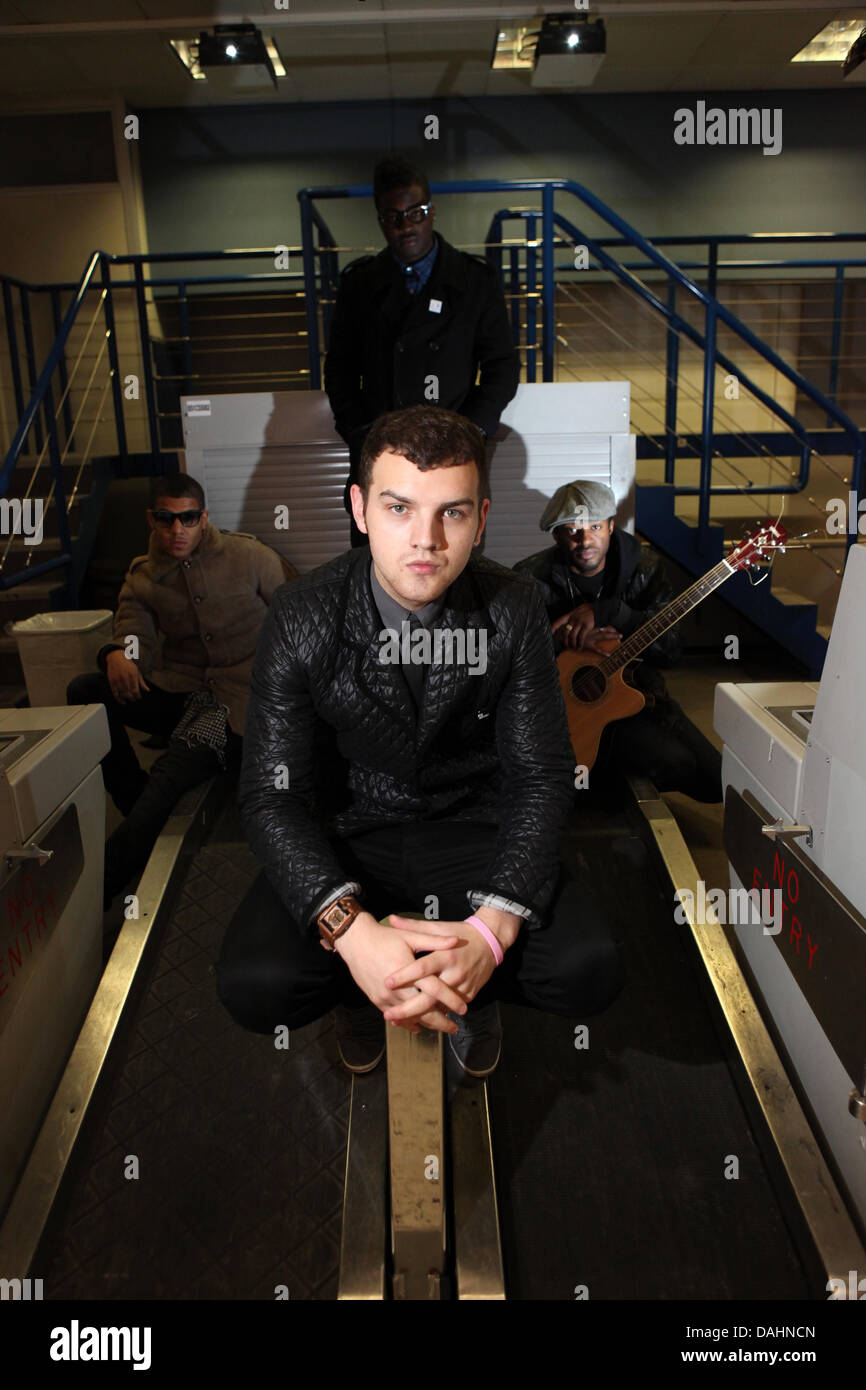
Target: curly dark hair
<point>394,171</point>
<point>430,437</point>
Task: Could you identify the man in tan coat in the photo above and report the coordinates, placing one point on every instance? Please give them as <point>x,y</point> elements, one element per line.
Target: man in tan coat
<point>185,633</point>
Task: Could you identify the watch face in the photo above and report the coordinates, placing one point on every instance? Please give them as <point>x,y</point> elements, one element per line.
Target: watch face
<point>334,916</point>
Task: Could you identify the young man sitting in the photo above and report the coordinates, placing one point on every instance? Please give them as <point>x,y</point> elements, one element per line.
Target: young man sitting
<point>431,672</point>
<point>185,631</point>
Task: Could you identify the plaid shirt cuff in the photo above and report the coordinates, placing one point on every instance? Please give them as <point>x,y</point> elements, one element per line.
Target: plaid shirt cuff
<point>346,889</point>
<point>500,904</point>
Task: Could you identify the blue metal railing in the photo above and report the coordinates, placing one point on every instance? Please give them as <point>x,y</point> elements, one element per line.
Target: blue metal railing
<point>714,312</point>
<point>320,277</point>
<point>38,414</point>
<point>711,266</point>
<point>608,264</point>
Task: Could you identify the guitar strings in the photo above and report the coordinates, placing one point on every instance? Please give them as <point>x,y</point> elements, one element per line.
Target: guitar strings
<point>586,678</point>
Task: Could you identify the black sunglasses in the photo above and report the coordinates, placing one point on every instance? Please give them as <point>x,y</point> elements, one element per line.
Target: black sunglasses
<point>166,519</point>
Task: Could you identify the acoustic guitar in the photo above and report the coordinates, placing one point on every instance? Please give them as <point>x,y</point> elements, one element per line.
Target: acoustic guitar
<point>595,685</point>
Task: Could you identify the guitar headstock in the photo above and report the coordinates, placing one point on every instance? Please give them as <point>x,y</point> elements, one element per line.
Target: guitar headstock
<point>758,545</point>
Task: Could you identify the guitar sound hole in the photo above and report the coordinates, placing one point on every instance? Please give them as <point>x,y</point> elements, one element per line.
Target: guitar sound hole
<point>588,684</point>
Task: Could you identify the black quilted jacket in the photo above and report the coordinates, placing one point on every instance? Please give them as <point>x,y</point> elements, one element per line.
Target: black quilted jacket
<point>490,747</point>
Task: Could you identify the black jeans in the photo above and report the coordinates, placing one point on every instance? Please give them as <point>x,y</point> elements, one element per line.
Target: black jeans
<point>663,744</point>
<point>146,802</point>
<point>274,971</point>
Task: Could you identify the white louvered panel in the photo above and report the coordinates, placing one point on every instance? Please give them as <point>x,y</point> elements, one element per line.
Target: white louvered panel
<point>258,450</point>
<point>255,451</point>
<point>526,471</point>
<point>244,486</point>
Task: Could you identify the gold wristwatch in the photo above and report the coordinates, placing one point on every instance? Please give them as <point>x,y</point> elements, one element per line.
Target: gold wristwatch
<point>337,918</point>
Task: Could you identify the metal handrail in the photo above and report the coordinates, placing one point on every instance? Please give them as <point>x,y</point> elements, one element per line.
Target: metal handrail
<point>319,253</point>
<point>714,311</point>
<point>40,409</point>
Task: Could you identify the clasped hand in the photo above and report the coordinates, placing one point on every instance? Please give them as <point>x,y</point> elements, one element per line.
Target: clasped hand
<point>414,991</point>
<point>461,969</point>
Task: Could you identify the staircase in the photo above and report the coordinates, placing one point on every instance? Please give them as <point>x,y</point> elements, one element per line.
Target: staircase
<point>684,344</point>
<point>790,618</point>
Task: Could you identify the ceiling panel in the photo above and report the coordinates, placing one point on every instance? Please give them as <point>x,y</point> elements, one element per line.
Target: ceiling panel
<point>345,61</point>
<point>66,11</point>
<point>642,41</point>
<point>319,45</point>
<point>759,38</point>
<point>255,10</point>
<point>33,68</point>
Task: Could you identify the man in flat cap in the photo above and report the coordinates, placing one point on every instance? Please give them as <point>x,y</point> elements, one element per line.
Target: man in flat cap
<point>597,584</point>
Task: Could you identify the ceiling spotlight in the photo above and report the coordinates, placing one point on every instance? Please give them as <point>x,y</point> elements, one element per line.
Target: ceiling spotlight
<point>235,57</point>
<point>568,55</point>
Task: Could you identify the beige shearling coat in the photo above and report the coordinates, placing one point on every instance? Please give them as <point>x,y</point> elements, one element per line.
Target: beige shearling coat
<point>198,620</point>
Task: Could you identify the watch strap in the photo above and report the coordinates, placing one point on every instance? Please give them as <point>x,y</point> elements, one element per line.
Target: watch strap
<point>336,918</point>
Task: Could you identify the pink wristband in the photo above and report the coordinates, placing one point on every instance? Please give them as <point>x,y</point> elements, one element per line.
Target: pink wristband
<point>488,937</point>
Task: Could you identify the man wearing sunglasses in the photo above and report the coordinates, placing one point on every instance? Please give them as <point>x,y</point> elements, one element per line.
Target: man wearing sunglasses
<point>420,323</point>
<point>185,632</point>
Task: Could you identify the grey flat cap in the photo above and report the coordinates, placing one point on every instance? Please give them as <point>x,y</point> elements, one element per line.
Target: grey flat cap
<point>578,504</point>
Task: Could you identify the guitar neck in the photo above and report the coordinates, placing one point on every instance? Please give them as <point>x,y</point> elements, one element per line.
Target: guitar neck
<point>651,630</point>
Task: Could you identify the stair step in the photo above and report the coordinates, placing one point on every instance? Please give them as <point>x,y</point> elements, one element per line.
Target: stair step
<point>26,463</point>
<point>47,547</point>
<point>26,599</point>
<point>791,598</point>
<point>38,588</point>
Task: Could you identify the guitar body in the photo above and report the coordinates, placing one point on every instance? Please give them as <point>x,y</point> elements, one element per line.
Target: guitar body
<point>595,697</point>
<point>593,700</point>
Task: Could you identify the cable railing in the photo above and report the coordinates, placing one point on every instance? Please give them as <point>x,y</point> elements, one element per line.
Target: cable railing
<point>646,402</point>
<point>243,329</point>
<point>93,371</point>
<point>528,270</point>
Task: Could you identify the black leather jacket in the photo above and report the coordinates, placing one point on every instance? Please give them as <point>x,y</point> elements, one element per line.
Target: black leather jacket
<point>385,344</point>
<point>635,588</point>
<point>491,747</point>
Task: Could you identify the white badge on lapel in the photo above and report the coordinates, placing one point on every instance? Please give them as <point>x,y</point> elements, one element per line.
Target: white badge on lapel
<point>435,306</point>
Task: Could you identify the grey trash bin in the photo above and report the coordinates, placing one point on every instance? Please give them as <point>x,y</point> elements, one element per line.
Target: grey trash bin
<point>54,647</point>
